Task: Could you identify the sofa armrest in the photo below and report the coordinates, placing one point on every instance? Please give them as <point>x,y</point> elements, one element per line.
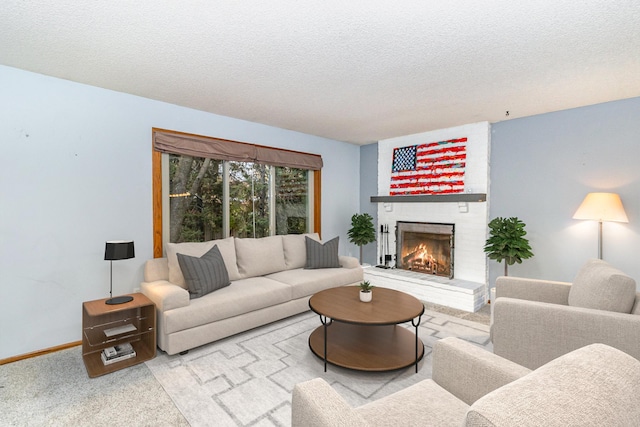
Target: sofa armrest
<point>348,261</point>
<point>316,404</point>
<point>533,333</point>
<point>468,371</point>
<point>636,304</point>
<point>533,289</point>
<point>165,295</point>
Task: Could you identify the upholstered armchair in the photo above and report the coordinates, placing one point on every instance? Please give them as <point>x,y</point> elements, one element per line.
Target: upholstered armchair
<point>535,321</point>
<point>594,386</point>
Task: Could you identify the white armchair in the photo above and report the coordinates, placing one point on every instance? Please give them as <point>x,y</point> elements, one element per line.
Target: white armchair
<point>535,321</point>
<point>594,386</point>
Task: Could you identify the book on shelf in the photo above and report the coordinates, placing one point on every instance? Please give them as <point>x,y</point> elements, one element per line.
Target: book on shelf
<point>119,330</point>
<point>117,353</point>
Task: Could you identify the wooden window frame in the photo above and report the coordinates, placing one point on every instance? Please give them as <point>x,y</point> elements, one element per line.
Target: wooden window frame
<point>156,170</point>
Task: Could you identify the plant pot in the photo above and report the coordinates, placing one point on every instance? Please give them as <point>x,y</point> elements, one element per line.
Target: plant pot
<point>366,296</point>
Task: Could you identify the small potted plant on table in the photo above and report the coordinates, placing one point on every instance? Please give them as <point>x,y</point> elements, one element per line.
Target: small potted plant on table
<point>365,291</point>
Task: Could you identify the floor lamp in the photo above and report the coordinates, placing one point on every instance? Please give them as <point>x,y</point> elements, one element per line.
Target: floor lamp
<point>601,207</point>
<point>116,250</point>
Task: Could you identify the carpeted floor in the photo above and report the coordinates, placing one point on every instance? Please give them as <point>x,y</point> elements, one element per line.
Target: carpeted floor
<point>54,390</point>
<point>245,380</point>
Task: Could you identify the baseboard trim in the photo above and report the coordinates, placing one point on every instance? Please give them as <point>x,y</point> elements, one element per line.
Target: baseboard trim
<point>39,352</point>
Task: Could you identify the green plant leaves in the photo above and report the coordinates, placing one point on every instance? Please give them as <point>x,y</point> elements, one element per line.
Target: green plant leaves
<point>366,286</point>
<point>507,241</point>
<point>362,230</point>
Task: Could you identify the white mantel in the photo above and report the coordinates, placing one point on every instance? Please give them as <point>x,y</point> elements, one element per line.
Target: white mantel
<point>470,218</point>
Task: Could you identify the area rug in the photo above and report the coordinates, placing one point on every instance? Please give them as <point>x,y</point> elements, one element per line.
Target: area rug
<point>247,379</point>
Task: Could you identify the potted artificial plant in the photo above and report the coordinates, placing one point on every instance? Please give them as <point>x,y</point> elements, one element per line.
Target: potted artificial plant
<point>362,231</point>
<point>507,242</point>
<point>365,291</point>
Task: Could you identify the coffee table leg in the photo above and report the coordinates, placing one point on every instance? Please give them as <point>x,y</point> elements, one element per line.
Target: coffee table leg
<point>325,323</point>
<point>415,325</point>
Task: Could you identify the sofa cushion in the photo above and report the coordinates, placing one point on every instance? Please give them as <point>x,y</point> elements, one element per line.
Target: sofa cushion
<point>242,296</point>
<point>600,286</point>
<point>295,249</point>
<point>322,255</point>
<point>197,249</point>
<point>595,385</point>
<point>257,257</point>
<point>306,282</point>
<point>205,274</point>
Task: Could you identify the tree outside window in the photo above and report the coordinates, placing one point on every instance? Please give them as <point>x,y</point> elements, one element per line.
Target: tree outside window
<point>248,199</point>
<point>195,194</point>
<point>197,199</point>
<point>292,200</point>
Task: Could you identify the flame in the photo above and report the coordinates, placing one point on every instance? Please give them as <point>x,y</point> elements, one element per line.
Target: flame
<point>420,258</point>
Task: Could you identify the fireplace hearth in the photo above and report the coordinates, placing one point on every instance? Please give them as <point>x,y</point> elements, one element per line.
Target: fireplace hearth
<point>425,247</point>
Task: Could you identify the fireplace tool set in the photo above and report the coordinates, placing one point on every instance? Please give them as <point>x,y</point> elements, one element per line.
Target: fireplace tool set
<point>384,247</point>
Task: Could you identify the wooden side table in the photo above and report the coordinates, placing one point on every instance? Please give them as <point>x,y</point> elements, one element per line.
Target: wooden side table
<point>106,325</point>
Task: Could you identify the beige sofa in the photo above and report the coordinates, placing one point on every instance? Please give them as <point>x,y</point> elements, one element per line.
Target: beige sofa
<point>593,386</point>
<point>535,321</point>
<point>268,283</point>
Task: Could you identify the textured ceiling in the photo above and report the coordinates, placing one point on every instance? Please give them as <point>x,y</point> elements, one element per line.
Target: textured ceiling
<point>356,71</point>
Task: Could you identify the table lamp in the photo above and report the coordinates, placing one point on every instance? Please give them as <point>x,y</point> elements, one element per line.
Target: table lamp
<point>601,207</point>
<point>116,250</point>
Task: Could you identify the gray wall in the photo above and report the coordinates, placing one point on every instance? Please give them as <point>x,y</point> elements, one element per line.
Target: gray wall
<point>368,188</point>
<point>77,172</point>
<point>541,169</point>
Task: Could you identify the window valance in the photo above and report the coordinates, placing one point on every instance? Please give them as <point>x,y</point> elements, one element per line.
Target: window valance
<point>223,149</point>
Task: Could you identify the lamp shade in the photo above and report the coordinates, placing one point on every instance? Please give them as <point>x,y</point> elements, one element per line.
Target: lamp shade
<point>601,207</point>
<point>119,249</point>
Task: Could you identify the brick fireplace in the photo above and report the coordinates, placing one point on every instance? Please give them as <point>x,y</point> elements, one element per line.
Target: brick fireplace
<point>464,286</point>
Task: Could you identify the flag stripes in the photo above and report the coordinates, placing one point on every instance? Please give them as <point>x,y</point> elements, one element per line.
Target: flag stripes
<point>432,168</point>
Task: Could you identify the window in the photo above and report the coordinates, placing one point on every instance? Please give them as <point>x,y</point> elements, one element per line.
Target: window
<point>249,199</point>
<point>195,199</point>
<point>202,198</point>
<point>292,201</point>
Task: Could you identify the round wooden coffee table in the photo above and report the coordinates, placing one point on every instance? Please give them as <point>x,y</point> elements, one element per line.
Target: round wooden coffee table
<point>366,336</point>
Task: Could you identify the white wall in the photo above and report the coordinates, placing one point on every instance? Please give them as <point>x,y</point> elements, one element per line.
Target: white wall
<point>470,226</point>
<point>77,172</point>
<point>541,169</point>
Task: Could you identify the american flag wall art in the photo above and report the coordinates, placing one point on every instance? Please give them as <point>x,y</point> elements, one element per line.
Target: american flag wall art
<point>432,168</point>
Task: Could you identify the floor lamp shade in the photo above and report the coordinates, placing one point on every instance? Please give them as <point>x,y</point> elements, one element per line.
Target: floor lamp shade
<point>117,250</point>
<point>601,207</point>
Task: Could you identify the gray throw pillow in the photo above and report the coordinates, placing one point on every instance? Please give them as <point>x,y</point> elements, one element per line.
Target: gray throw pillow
<point>205,274</point>
<point>322,255</point>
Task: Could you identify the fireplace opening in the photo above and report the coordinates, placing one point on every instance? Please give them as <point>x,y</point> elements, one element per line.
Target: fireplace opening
<point>425,247</point>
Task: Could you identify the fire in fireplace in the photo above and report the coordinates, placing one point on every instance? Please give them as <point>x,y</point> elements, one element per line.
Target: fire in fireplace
<point>425,247</point>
